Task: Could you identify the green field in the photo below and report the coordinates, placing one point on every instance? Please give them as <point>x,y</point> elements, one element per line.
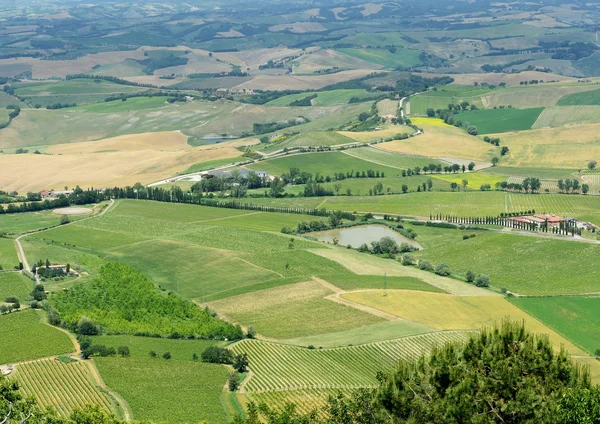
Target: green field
<point>298,310</point>
<point>225,241</point>
<point>326,163</point>
<point>361,282</point>
<point>32,339</point>
<point>313,139</point>
<point>403,57</point>
<point>79,91</point>
<point>160,390</point>
<point>469,203</point>
<point>133,104</point>
<point>499,120</point>
<point>204,166</point>
<point>520,263</point>
<point>444,96</point>
<point>14,284</point>
<point>577,99</point>
<point>24,222</point>
<point>391,159</point>
<point>8,254</point>
<point>62,386</point>
<point>576,318</point>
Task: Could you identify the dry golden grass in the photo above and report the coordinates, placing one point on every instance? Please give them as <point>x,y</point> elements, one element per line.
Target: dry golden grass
<point>122,160</point>
<point>447,312</point>
<point>291,82</point>
<point>42,69</point>
<point>565,147</point>
<point>436,141</point>
<point>371,9</point>
<point>387,107</point>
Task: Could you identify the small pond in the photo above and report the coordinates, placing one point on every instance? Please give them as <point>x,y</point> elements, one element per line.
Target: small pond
<point>356,236</point>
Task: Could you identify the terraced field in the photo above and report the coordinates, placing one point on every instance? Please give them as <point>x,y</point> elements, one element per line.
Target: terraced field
<point>278,367</point>
<point>560,116</point>
<point>62,386</point>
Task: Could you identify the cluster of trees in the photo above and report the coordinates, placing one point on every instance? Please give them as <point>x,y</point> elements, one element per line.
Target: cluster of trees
<point>89,349</point>
<point>59,105</point>
<point>572,186</point>
<point>114,80</point>
<point>221,355</point>
<point>306,101</point>
<point>492,140</point>
<point>480,280</point>
<point>503,374</point>
<point>276,126</point>
<point>12,304</point>
<point>121,300</point>
<point>416,84</point>
<point>529,184</point>
<point>297,176</point>
<point>15,111</point>
<point>387,246</point>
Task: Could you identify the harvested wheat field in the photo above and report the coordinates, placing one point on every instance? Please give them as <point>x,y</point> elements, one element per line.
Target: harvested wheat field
<point>566,147</point>
<point>122,160</point>
<point>290,82</point>
<point>436,141</point>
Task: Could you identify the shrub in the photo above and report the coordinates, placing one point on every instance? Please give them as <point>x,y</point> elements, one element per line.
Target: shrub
<point>465,236</point>
<point>167,355</point>
<point>443,270</point>
<point>64,219</point>
<point>233,381</point>
<point>240,362</point>
<point>152,354</point>
<point>12,299</point>
<point>86,327</point>
<point>407,260</point>
<point>482,281</point>
<point>472,130</point>
<point>217,355</point>
<point>425,266</point>
<point>470,276</point>
<point>123,351</point>
<point>251,333</point>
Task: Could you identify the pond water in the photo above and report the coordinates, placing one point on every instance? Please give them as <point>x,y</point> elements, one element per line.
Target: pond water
<point>356,236</point>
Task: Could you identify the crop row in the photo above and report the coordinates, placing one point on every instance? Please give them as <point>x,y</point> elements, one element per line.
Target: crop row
<point>567,115</point>
<point>59,385</point>
<point>283,367</point>
<point>305,401</point>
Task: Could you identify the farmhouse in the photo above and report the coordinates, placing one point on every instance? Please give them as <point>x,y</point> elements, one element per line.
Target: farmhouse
<point>47,194</point>
<point>539,219</point>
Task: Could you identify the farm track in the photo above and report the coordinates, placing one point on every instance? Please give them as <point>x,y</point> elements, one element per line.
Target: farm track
<point>21,251</point>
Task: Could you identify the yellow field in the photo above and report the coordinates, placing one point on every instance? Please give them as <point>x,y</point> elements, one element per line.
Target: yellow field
<point>566,147</point>
<point>430,122</point>
<point>122,160</point>
<point>447,312</point>
<point>442,141</point>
